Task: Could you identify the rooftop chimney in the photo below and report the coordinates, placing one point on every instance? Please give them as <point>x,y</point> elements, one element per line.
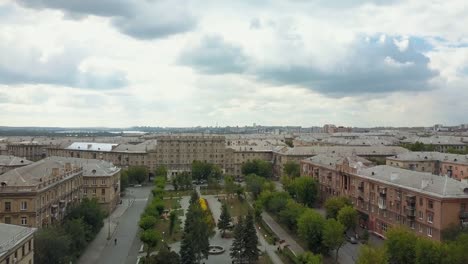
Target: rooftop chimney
<point>68,167</point>
<point>55,172</point>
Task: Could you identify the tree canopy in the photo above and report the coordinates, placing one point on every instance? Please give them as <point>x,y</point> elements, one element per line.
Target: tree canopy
<point>259,167</point>
<point>334,204</point>
<point>292,169</point>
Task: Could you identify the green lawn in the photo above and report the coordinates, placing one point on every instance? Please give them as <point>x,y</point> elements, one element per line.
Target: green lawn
<point>264,259</point>
<point>178,193</point>
<point>172,203</point>
<point>236,207</point>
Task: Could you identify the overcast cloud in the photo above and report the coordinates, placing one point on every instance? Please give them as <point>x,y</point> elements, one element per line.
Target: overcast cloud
<point>270,62</point>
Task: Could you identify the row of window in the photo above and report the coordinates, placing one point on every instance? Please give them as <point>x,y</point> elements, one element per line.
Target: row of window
<point>24,220</point>
<point>15,258</point>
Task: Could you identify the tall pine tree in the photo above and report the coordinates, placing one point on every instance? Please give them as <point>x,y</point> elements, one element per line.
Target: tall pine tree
<point>224,219</point>
<point>237,248</point>
<point>250,238</point>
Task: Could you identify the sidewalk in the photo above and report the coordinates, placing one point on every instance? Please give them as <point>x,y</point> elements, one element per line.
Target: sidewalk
<point>94,249</point>
<point>282,234</point>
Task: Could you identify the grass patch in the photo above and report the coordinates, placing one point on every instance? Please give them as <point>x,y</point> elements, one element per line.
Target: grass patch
<point>211,191</point>
<point>264,259</point>
<point>266,232</point>
<point>172,203</point>
<point>180,193</point>
<point>237,207</point>
<point>287,256</point>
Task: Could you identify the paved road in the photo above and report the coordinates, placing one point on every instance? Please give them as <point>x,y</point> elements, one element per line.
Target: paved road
<point>282,234</point>
<point>123,227</point>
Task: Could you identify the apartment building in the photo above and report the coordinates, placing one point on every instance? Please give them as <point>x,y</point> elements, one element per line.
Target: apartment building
<point>30,150</point>
<point>387,196</point>
<point>177,152</point>
<point>238,155</point>
<point>283,155</point>
<point>453,165</point>
<point>8,162</point>
<point>101,180</point>
<point>38,194</point>
<point>16,244</point>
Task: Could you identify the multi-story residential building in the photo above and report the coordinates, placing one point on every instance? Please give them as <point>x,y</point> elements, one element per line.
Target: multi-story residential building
<point>441,143</point>
<point>177,152</point>
<point>283,155</point>
<point>28,149</point>
<point>38,194</point>
<point>101,180</point>
<point>387,196</point>
<point>453,165</point>
<point>8,162</point>
<point>16,244</point>
<point>238,155</point>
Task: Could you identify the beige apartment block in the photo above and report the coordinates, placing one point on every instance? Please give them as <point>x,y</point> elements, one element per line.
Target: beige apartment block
<point>29,150</point>
<point>16,244</point>
<point>8,162</point>
<point>453,165</point>
<point>238,155</point>
<point>38,194</point>
<point>386,196</point>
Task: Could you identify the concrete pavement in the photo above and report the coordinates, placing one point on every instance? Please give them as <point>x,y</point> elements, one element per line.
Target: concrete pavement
<point>123,226</point>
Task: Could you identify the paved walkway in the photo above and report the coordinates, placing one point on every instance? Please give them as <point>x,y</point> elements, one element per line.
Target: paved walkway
<point>282,234</point>
<point>123,226</point>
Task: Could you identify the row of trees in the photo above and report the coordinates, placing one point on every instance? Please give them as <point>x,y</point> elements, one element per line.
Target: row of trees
<point>244,248</point>
<point>138,175</point>
<point>195,239</point>
<point>404,246</point>
<point>64,243</point>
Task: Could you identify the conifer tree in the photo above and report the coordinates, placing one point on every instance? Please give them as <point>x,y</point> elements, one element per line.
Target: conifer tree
<point>224,219</point>
<point>237,248</point>
<point>250,238</point>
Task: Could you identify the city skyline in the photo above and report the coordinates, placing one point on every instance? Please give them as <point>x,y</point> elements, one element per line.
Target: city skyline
<point>187,64</point>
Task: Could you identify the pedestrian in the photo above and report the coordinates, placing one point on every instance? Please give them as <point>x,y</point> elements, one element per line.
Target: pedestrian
<point>115,241</point>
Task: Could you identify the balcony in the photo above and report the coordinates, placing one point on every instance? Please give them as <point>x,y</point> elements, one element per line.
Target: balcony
<point>383,192</point>
<point>382,204</point>
<point>411,212</point>
<point>411,200</point>
<point>463,215</point>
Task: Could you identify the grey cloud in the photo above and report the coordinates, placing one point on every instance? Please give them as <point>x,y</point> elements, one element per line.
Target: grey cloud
<point>213,55</point>
<point>139,19</point>
<point>27,66</point>
<point>371,66</point>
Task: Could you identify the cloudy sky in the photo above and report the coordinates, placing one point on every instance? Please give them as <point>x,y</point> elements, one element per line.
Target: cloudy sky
<point>121,63</point>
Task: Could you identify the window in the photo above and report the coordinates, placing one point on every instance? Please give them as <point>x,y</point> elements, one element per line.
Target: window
<point>7,206</point>
<point>430,217</point>
<point>103,181</point>
<point>24,206</point>
<point>430,204</point>
<point>24,220</point>
<point>103,191</point>
<point>29,245</point>
<point>23,250</point>
<point>429,231</point>
<point>421,215</point>
<point>85,191</point>
<point>94,191</point>
<point>420,228</point>
<point>421,203</point>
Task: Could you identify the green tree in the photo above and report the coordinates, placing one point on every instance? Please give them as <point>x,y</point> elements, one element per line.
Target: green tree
<point>172,221</point>
<point>292,169</point>
<point>237,247</point>
<point>229,185</point>
<point>348,216</point>
<point>161,171</point>
<point>195,243</point>
<point>123,181</point>
<point>372,255</point>
<point>291,213</point>
<point>147,222</point>
<point>165,256</point>
<point>400,245</point>
<point>274,201</point>
<point>90,211</point>
<point>201,170</point>
<point>309,258</point>
<point>451,232</point>
<point>78,232</point>
<point>334,204</point>
<point>428,252</point>
<point>259,167</point>
<point>304,190</point>
<point>310,227</point>
<point>249,235</point>
<point>254,184</point>
<point>51,245</point>
<point>225,219</point>
<point>137,174</point>
<point>289,142</point>
<point>455,251</point>
<point>150,238</point>
<point>333,236</point>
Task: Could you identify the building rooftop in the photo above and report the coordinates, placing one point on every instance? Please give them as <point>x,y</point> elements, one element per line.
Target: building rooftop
<point>434,185</point>
<point>330,160</point>
<point>11,235</point>
<point>91,167</point>
<point>345,150</point>
<point>92,146</point>
<point>431,156</point>
<point>13,161</point>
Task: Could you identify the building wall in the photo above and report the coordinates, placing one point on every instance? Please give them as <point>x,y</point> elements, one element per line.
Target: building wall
<point>106,189</point>
<point>23,253</point>
<point>33,152</point>
<point>236,158</point>
<point>385,205</point>
<point>45,204</point>
<point>430,166</point>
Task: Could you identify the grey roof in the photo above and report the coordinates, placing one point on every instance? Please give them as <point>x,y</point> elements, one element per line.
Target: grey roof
<point>11,235</point>
<point>31,175</point>
<point>92,146</point>
<point>437,140</point>
<point>13,161</point>
<point>434,185</point>
<point>330,160</point>
<point>348,150</point>
<point>431,156</point>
